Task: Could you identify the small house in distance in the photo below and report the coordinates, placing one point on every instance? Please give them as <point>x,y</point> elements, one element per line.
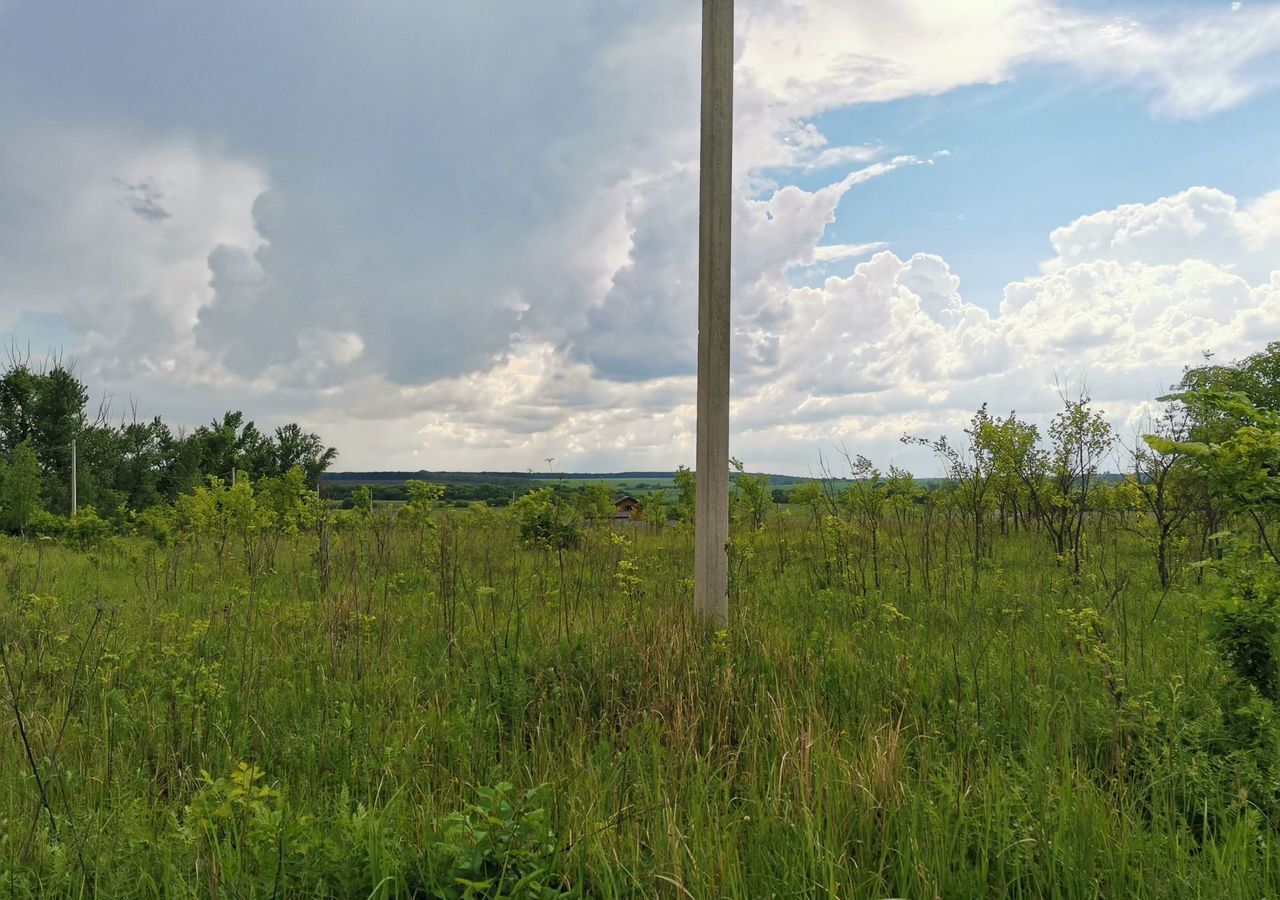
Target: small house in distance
<point>625,508</point>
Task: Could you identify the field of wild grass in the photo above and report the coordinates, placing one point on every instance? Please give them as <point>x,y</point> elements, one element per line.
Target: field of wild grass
<point>375,708</point>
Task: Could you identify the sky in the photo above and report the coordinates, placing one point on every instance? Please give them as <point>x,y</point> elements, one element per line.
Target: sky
<point>463,234</point>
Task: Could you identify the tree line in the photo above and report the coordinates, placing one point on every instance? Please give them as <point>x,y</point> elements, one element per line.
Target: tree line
<point>127,465</point>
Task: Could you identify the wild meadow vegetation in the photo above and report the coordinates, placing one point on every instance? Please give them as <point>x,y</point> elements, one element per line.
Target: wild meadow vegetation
<point>1025,681</point>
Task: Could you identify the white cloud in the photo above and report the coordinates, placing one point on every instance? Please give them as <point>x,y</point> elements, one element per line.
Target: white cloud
<point>1208,62</point>
<point>1198,223</point>
<point>113,231</point>
<point>892,347</point>
<point>828,253</point>
<point>818,56</point>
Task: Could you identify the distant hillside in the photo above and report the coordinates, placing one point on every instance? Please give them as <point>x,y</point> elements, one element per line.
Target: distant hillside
<point>658,479</point>
<point>486,477</point>
<point>500,488</point>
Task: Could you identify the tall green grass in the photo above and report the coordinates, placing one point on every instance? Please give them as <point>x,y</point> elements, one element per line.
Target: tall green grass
<point>1016,732</point>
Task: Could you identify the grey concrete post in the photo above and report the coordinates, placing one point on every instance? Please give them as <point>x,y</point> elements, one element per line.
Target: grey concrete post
<point>711,516</point>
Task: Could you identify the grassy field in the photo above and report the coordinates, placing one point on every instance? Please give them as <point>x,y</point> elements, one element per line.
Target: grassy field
<point>637,486</point>
<point>386,709</point>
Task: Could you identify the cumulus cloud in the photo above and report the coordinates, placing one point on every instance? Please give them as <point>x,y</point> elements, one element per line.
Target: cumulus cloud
<point>111,231</point>
<point>1198,223</point>
<point>894,347</point>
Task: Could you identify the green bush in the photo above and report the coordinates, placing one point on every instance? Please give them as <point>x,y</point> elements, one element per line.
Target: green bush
<point>46,524</point>
<point>1244,622</point>
<point>87,529</point>
<point>498,846</point>
<point>546,521</point>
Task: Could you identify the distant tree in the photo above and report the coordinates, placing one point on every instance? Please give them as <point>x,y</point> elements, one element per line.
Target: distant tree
<point>594,500</point>
<point>654,507</point>
<point>294,447</point>
<point>146,451</point>
<point>686,494</point>
<point>18,388</point>
<point>136,464</point>
<point>545,520</point>
<point>47,408</point>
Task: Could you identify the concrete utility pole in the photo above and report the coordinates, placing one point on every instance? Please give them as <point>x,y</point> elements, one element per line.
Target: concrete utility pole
<point>711,515</point>
<point>73,478</point>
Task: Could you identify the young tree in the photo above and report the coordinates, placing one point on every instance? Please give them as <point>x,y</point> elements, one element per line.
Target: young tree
<point>686,493</point>
<point>294,447</point>
<point>545,520</point>
<point>1160,481</point>
<point>972,472</point>
<point>20,488</point>
<point>1010,443</point>
<point>594,500</point>
<point>864,502</point>
<point>1243,468</point>
<point>751,495</point>
<point>654,507</point>
<point>1080,440</point>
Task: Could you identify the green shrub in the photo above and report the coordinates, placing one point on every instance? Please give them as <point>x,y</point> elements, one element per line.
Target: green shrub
<point>499,846</point>
<point>545,521</point>
<point>87,529</point>
<point>47,524</point>
<point>1244,623</point>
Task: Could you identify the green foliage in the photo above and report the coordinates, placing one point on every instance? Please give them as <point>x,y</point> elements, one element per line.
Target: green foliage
<point>1244,624</point>
<point>158,523</point>
<point>86,529</point>
<point>139,464</point>
<point>751,497</point>
<point>20,488</point>
<point>499,846</point>
<point>808,494</point>
<point>654,507</point>
<point>44,409</point>
<point>233,807</point>
<point>594,501</point>
<point>423,497</point>
<point>47,524</point>
<point>1243,465</point>
<point>546,521</point>
<point>285,501</point>
<point>686,494</point>
<point>1257,377</point>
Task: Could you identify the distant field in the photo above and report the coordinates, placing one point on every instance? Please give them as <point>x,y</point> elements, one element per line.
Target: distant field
<point>638,485</point>
<point>621,481</point>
